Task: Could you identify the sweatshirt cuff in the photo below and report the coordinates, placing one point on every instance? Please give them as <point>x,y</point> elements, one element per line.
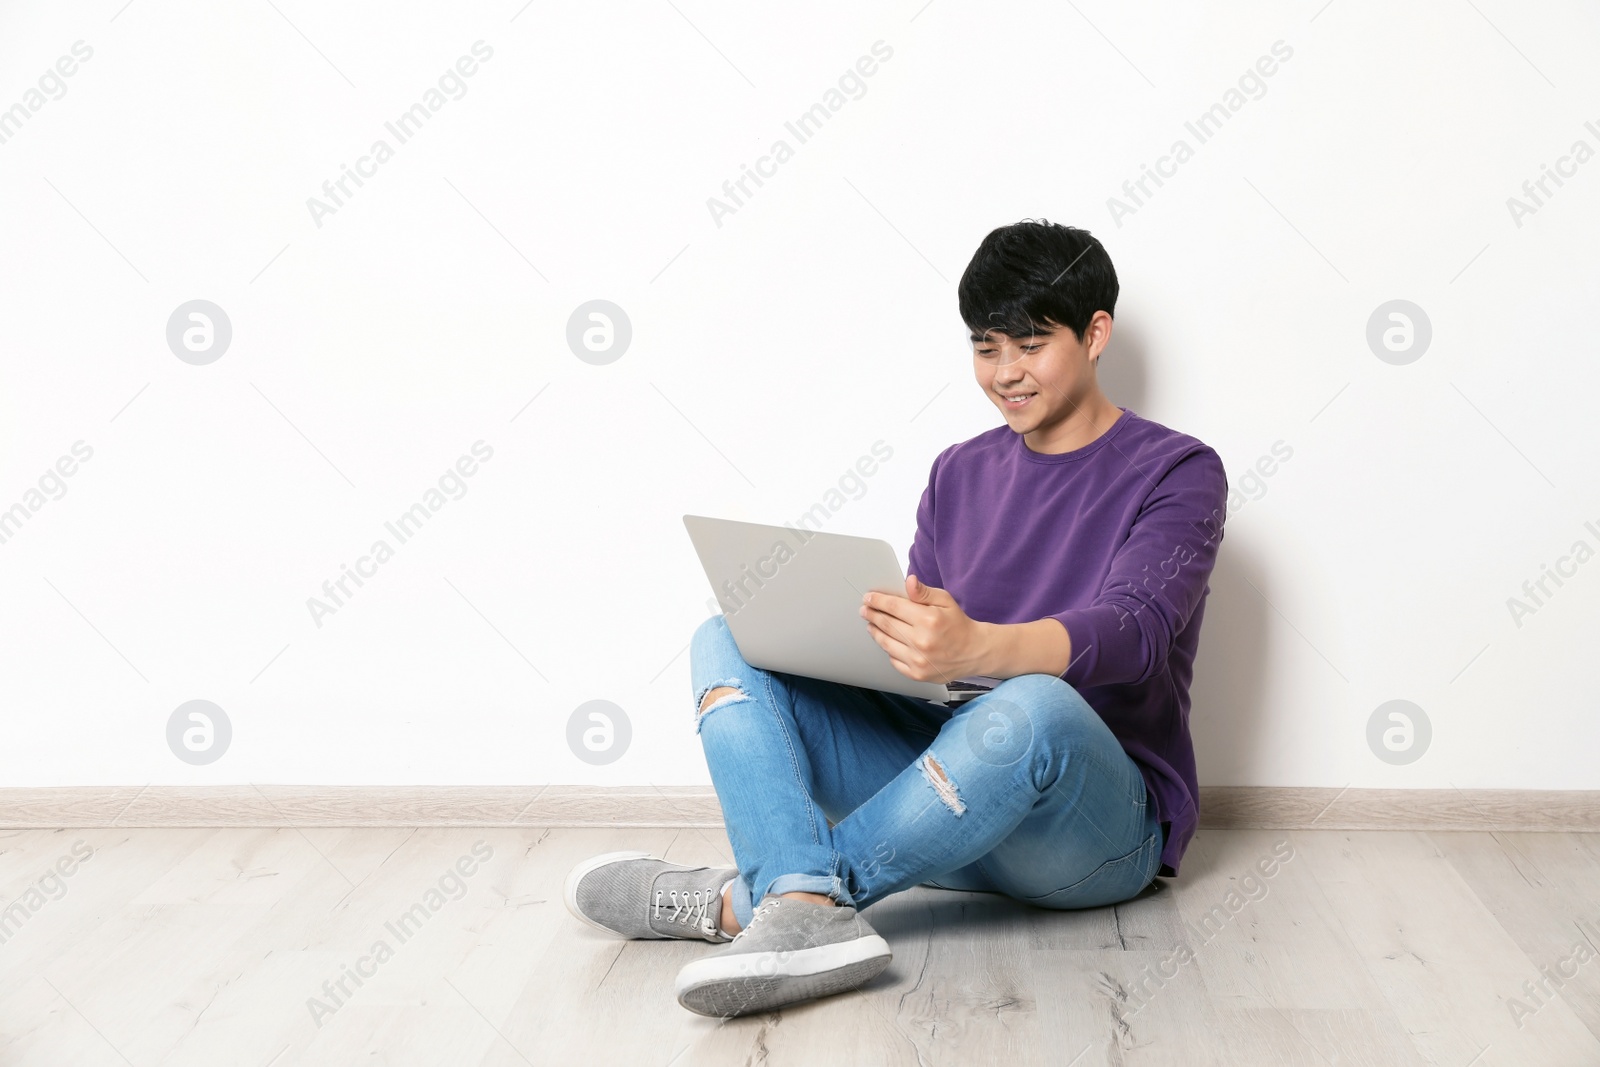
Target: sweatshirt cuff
<point>1106,647</point>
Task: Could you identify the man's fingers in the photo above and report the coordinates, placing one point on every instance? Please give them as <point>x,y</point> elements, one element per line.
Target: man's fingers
<point>900,653</point>
<point>903,656</point>
<point>889,641</point>
<point>898,606</point>
<point>896,627</point>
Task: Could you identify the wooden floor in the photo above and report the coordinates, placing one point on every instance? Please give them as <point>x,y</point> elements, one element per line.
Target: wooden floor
<point>207,947</point>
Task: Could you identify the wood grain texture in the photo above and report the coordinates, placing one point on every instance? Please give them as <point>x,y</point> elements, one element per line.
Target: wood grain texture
<point>206,947</point>
<point>1295,808</point>
<point>1544,890</point>
<point>1441,961</point>
<point>306,806</point>
<point>1222,807</point>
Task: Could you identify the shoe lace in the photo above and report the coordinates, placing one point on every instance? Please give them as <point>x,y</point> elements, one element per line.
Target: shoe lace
<point>688,908</point>
<point>762,910</point>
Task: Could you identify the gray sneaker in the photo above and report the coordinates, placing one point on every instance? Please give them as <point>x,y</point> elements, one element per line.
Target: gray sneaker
<point>638,895</point>
<point>792,950</point>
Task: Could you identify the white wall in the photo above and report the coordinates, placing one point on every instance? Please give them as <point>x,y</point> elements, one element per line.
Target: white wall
<point>769,352</point>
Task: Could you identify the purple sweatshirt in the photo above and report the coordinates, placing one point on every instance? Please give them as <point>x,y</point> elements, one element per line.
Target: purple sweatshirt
<point>1116,540</point>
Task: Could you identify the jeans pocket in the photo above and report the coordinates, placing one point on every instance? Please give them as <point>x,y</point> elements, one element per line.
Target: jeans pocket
<point>1113,881</point>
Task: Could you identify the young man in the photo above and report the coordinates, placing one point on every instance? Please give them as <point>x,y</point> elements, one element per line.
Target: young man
<point>1066,552</point>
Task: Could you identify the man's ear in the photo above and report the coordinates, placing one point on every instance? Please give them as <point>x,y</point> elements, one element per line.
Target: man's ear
<point>1098,335</point>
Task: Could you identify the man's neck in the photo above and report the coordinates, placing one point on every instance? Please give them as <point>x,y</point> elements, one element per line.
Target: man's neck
<point>1091,418</point>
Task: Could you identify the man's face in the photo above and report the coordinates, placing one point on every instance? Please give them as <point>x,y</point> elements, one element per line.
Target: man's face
<point>1035,381</point>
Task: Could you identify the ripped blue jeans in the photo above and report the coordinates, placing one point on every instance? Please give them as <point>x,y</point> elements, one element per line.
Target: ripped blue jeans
<point>855,793</point>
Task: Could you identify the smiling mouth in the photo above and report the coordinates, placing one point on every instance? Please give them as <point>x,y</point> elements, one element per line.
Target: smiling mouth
<point>1016,400</point>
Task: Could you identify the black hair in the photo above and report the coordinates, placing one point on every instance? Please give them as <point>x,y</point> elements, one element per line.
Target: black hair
<point>1033,276</point>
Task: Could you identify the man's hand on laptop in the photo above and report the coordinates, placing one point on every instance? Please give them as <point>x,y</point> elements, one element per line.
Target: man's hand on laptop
<point>930,639</point>
<point>927,635</point>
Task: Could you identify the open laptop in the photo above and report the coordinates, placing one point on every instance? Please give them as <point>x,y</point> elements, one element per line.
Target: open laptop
<point>792,601</point>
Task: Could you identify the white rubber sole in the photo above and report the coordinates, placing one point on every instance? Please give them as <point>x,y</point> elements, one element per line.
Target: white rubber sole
<point>758,981</point>
<point>593,862</point>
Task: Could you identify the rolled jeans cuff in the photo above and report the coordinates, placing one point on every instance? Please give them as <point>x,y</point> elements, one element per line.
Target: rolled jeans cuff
<point>826,885</point>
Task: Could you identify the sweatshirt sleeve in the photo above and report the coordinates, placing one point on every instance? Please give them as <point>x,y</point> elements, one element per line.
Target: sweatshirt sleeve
<point>1156,580</point>
<point>922,560</point>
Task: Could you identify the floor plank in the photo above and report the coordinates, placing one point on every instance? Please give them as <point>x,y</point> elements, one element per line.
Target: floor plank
<point>209,947</point>
<point>1440,958</point>
<point>1544,889</point>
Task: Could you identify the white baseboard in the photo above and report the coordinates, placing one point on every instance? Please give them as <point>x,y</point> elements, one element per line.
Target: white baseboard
<point>1264,807</point>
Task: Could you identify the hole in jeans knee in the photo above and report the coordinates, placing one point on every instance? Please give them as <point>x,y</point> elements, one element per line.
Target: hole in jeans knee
<point>720,695</point>
<point>933,771</point>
